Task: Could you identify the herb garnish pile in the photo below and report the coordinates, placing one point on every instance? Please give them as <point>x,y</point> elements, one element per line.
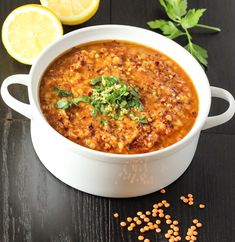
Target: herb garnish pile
<point>110,96</point>
<point>182,21</point>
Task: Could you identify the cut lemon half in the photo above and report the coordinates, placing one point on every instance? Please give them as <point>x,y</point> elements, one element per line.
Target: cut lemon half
<point>28,30</point>
<point>72,12</point>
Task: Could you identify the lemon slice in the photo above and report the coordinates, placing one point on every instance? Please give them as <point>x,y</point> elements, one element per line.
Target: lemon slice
<point>72,12</point>
<point>28,30</point>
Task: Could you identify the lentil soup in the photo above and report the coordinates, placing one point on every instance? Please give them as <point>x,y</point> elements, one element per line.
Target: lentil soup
<point>118,97</point>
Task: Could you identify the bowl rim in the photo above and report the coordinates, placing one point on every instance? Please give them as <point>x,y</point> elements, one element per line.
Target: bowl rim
<point>172,148</point>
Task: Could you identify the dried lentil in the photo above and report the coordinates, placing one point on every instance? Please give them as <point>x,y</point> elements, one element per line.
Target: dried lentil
<point>202,206</point>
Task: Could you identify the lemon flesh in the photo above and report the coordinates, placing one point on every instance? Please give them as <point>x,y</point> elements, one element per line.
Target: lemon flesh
<point>72,12</point>
<point>28,30</point>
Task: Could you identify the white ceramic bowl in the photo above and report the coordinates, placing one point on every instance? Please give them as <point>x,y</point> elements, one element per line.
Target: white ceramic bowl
<point>114,175</point>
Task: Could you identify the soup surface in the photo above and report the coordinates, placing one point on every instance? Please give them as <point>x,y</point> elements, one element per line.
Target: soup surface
<point>118,97</point>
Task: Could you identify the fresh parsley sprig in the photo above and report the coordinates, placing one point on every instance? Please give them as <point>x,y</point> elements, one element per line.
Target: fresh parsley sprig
<point>181,21</point>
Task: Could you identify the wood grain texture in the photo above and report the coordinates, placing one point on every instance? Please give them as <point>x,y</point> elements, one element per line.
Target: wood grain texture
<point>35,206</point>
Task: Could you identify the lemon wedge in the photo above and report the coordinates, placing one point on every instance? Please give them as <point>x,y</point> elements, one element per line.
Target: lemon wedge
<point>28,30</point>
<point>72,12</point>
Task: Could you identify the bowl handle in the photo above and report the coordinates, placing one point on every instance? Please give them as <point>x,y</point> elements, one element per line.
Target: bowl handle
<point>227,115</point>
<point>20,107</point>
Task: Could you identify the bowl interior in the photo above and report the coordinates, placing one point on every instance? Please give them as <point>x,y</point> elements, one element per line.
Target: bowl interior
<point>133,34</point>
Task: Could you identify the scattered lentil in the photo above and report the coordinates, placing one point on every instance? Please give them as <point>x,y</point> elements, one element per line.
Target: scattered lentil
<point>130,228</point>
<point>146,220</point>
<point>202,205</point>
<point>146,228</point>
<point>155,205</point>
<point>199,225</point>
<point>158,221</point>
<point>155,210</point>
<point>123,224</point>
<point>193,227</point>
<point>129,219</point>
<point>167,205</point>
<point>138,222</point>
<point>193,238</point>
<point>140,237</point>
<point>162,191</point>
<point>179,238</point>
<point>190,233</point>
<point>168,221</point>
<point>188,238</point>
<point>195,221</point>
<point>167,236</point>
<point>175,222</point>
<point>176,229</point>
<point>151,227</point>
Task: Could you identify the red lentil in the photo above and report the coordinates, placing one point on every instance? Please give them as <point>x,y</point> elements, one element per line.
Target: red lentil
<point>202,206</point>
<point>163,191</point>
<point>140,237</point>
<point>123,224</point>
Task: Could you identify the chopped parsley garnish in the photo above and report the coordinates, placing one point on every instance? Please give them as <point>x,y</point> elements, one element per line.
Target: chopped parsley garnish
<point>111,97</point>
<point>62,93</point>
<point>67,103</point>
<point>103,122</point>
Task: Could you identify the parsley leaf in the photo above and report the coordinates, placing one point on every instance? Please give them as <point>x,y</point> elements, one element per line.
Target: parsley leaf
<point>96,80</point>
<point>62,93</point>
<point>103,122</point>
<point>84,99</point>
<point>175,9</point>
<point>183,20</point>
<point>63,104</point>
<point>168,28</point>
<point>192,18</point>
<point>140,119</point>
<point>198,52</point>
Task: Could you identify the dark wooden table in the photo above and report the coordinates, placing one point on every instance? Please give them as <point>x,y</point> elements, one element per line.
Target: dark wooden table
<point>35,206</point>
